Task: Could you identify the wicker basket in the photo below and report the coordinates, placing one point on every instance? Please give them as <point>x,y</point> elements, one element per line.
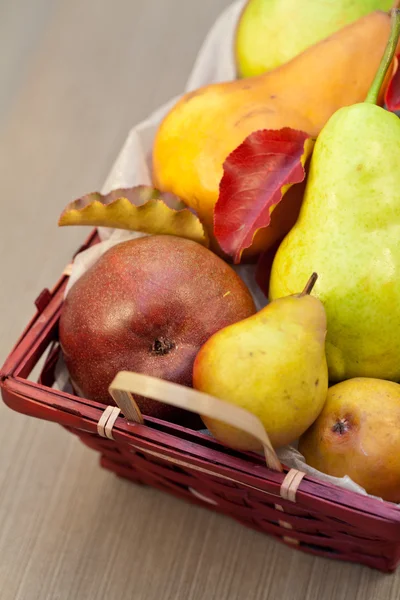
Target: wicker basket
<point>312,515</point>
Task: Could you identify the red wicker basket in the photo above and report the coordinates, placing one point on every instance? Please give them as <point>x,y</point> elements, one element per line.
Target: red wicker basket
<point>319,518</point>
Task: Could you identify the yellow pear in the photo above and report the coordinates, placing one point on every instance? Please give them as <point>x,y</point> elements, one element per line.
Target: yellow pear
<point>358,434</point>
<point>272,364</point>
<point>206,125</point>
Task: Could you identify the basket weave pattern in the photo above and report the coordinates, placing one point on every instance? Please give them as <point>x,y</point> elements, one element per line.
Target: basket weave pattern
<point>324,520</point>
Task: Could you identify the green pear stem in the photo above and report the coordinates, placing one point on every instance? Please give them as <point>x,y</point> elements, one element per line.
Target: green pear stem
<point>373,94</point>
<point>309,285</point>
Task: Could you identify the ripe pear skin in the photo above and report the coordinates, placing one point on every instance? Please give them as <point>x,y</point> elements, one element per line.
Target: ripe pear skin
<point>205,126</point>
<point>348,231</point>
<point>358,434</point>
<point>272,32</point>
<point>147,305</point>
<point>272,364</point>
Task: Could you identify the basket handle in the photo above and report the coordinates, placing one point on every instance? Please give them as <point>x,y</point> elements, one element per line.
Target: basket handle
<point>127,383</point>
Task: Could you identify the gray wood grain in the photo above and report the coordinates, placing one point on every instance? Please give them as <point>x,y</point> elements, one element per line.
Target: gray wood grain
<point>75,77</point>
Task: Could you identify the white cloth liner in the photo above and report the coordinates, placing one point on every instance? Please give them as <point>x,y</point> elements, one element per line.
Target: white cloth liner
<point>215,62</point>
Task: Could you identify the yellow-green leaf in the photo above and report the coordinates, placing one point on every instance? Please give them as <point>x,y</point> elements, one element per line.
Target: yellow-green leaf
<point>140,208</point>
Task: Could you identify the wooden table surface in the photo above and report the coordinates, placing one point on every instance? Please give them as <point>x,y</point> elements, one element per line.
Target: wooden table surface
<point>75,76</point>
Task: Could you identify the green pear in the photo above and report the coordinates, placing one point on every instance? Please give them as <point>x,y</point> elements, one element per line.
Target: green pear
<point>348,231</point>
<point>272,364</point>
<point>272,32</point>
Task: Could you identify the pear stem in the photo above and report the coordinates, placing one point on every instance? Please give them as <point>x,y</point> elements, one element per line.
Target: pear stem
<point>373,94</point>
<point>310,284</point>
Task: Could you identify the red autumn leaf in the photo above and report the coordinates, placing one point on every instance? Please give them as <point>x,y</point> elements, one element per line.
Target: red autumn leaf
<point>256,175</point>
<point>392,95</point>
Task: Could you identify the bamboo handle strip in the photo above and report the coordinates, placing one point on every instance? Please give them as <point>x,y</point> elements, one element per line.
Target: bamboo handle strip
<point>127,383</point>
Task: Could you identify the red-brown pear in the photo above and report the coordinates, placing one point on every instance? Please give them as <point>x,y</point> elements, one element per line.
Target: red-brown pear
<point>147,305</point>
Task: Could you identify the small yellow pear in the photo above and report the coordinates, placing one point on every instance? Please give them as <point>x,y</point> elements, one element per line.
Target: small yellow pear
<point>358,434</point>
<point>272,364</point>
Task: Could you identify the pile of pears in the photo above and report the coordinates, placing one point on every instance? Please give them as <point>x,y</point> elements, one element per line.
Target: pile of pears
<point>344,328</point>
<point>319,365</point>
<point>206,125</point>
